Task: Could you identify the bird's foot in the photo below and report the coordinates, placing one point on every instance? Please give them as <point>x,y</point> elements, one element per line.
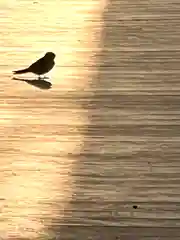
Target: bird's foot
<point>42,77</point>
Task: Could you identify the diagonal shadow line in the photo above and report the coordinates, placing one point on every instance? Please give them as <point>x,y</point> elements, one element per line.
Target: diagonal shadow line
<point>42,84</point>
<point>78,221</point>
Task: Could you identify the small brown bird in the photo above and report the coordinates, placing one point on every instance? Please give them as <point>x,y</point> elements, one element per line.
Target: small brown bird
<point>41,66</point>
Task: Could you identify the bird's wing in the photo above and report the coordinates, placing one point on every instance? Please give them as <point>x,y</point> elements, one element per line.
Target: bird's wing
<point>38,64</point>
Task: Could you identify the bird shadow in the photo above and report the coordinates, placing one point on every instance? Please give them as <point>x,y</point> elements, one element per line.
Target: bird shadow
<point>39,83</point>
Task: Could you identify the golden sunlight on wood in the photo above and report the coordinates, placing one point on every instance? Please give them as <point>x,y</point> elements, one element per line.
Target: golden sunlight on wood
<point>38,167</point>
<point>79,36</point>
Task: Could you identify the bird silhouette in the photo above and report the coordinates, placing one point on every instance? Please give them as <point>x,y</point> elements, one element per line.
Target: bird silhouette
<point>41,66</point>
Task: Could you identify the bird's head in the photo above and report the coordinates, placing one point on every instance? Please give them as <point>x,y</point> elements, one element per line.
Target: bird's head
<point>50,55</point>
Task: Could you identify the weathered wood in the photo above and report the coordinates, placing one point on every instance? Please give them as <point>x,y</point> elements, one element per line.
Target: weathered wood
<point>105,136</point>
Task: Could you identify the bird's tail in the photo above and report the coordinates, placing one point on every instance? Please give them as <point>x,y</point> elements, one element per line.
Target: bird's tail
<point>21,71</point>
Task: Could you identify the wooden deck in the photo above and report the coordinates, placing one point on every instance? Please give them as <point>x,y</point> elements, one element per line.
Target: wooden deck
<point>76,158</point>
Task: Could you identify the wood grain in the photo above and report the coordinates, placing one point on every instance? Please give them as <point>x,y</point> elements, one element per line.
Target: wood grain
<point>75,159</point>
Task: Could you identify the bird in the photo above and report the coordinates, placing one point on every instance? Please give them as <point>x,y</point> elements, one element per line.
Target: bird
<point>41,66</point>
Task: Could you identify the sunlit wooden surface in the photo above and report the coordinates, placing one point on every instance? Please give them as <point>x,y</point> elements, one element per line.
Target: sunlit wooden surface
<point>76,158</point>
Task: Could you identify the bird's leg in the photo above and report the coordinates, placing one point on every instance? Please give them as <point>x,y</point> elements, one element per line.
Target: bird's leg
<point>42,77</point>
